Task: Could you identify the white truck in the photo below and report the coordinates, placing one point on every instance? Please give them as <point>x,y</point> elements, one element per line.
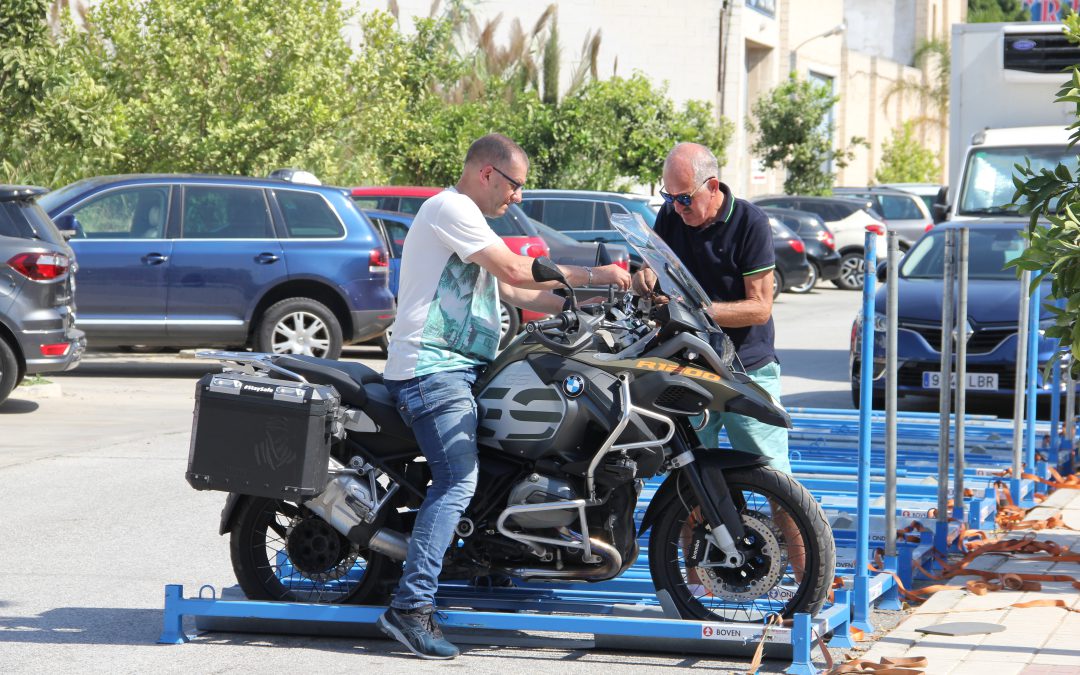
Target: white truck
<point>1005,77</point>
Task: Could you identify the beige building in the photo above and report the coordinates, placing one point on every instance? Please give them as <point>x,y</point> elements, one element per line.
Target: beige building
<point>730,52</point>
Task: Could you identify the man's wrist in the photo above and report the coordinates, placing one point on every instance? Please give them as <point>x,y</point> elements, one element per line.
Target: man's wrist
<point>588,271</point>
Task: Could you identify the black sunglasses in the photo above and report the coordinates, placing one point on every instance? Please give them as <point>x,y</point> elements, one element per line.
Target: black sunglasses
<point>513,183</point>
<point>684,198</point>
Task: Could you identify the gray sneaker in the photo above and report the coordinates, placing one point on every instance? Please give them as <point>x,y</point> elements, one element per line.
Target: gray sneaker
<point>417,630</point>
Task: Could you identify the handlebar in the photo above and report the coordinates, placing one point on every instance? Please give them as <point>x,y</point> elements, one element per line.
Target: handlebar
<point>561,321</point>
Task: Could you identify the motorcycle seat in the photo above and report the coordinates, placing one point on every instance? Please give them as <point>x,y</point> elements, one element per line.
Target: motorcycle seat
<point>347,377</point>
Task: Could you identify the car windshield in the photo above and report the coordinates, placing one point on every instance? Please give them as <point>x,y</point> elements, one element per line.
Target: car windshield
<point>988,252</point>
<point>988,186</point>
<point>675,279</point>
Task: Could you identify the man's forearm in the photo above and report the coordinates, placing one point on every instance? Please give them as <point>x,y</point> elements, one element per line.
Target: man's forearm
<point>740,313</point>
<point>544,302</point>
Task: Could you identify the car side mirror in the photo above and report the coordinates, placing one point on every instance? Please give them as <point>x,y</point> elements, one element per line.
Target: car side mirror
<point>940,209</point>
<point>69,226</point>
<point>883,272</point>
<point>603,256</point>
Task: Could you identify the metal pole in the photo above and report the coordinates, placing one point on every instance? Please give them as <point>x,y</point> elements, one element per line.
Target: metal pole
<point>861,604</point>
<point>1033,376</point>
<point>941,533</point>
<point>1070,411</point>
<point>891,317</point>
<point>1020,386</point>
<point>1055,414</point>
<point>961,376</point>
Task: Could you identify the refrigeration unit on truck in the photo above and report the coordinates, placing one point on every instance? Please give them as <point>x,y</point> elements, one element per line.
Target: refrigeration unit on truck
<point>1005,77</point>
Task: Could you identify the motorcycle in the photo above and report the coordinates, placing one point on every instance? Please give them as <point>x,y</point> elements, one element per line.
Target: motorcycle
<point>576,414</point>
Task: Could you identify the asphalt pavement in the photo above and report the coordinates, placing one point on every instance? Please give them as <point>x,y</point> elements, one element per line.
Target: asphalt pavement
<point>98,519</point>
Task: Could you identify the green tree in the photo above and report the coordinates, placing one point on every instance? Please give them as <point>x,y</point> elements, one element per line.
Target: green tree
<point>1054,248</point>
<point>990,11</point>
<point>905,160</point>
<point>236,87</point>
<point>794,132</point>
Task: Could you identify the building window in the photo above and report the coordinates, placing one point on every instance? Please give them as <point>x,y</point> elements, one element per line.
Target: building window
<point>766,7</point>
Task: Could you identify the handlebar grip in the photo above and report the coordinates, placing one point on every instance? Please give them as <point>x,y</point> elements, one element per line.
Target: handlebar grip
<point>560,322</point>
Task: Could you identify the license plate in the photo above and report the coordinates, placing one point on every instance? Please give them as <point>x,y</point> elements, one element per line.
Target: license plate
<point>975,381</point>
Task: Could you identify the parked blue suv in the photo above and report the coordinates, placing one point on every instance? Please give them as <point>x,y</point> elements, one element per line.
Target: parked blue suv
<point>223,261</point>
<point>993,309</point>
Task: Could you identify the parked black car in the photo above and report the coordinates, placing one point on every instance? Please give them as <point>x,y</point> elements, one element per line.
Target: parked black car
<point>820,245</point>
<point>37,292</point>
<point>792,268</point>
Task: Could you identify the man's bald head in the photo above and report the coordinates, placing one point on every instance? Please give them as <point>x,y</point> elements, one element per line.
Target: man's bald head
<point>697,158</point>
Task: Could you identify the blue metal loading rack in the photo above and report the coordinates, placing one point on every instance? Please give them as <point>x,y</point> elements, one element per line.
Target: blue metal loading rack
<point>833,456</point>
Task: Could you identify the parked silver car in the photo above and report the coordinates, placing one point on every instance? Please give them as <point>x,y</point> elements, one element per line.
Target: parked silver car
<point>904,212</point>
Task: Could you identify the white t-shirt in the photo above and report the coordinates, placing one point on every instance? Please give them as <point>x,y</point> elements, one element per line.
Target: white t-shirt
<point>448,309</point>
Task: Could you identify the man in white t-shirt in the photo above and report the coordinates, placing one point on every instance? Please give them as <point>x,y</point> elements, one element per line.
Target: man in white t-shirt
<point>454,269</point>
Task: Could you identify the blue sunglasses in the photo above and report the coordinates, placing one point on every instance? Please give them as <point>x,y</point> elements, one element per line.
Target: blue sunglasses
<point>685,198</point>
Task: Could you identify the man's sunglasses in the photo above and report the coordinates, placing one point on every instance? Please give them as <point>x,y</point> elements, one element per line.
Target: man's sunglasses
<point>513,183</point>
<point>685,198</point>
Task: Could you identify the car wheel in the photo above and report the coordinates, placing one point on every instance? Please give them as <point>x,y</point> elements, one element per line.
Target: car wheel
<point>877,399</point>
<point>383,341</point>
<point>9,370</point>
<point>777,283</point>
<point>299,326</point>
<point>852,270</point>
<point>811,281</point>
<point>509,324</point>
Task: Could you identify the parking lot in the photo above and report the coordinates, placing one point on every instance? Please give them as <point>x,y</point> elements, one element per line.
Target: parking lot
<point>99,519</point>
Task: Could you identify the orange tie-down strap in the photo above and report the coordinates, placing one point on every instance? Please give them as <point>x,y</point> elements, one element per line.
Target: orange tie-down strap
<point>888,665</point>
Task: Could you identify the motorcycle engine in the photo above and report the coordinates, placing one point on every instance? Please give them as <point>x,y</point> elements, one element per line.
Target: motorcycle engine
<point>540,489</point>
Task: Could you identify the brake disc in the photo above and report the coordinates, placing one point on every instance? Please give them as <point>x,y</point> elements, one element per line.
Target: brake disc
<point>766,562</point>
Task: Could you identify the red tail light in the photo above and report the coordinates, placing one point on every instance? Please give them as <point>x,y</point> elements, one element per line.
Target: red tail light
<point>623,263</point>
<point>827,238</point>
<point>379,261</point>
<point>876,229</point>
<point>929,226</point>
<point>40,266</point>
<point>797,245</point>
<point>534,250</point>
<point>58,349</point>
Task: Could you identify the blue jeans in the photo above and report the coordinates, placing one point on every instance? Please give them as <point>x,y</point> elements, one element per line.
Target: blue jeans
<point>748,434</point>
<point>441,410</point>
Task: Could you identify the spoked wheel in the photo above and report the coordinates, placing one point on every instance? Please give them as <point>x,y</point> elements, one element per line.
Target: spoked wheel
<point>283,552</point>
<point>787,569</point>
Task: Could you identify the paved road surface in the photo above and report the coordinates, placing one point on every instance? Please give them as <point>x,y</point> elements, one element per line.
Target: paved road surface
<point>98,518</point>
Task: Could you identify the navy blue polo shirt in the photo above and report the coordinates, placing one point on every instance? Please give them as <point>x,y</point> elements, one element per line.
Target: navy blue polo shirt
<point>719,255</point>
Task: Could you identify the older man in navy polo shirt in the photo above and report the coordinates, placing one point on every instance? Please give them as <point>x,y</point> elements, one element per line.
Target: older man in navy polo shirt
<point>726,243</point>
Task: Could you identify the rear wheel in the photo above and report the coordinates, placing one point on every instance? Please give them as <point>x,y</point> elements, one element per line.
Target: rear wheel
<point>778,283</point>
<point>852,269</point>
<point>299,326</point>
<point>9,370</point>
<point>509,324</point>
<point>789,566</point>
<point>811,281</point>
<point>281,551</point>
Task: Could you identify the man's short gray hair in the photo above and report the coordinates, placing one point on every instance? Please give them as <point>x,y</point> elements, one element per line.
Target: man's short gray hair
<point>701,160</point>
<point>494,149</point>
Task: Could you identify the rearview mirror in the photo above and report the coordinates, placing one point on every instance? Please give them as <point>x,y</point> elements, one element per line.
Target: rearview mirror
<point>545,270</point>
<point>883,272</point>
<point>603,256</point>
<point>940,209</point>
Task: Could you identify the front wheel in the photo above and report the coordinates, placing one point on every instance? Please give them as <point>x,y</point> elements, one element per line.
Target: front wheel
<point>281,551</point>
<point>788,567</point>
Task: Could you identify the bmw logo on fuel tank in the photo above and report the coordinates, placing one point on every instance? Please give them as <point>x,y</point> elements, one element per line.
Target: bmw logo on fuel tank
<point>573,385</point>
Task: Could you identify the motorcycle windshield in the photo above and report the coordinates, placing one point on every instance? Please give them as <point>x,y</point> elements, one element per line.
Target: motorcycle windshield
<point>675,280</point>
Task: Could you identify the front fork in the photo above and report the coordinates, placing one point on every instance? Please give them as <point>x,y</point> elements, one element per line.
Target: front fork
<point>721,516</point>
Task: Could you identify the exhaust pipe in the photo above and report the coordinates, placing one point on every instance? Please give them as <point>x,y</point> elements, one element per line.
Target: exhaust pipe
<point>390,543</point>
<point>608,569</point>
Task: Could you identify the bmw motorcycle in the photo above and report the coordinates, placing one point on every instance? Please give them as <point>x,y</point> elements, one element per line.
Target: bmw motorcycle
<point>580,416</point>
